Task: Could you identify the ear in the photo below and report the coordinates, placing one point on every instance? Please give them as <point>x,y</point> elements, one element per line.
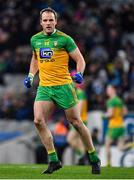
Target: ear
<point>56,22</point>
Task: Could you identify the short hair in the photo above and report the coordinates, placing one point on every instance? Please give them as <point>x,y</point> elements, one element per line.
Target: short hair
<point>113,86</point>
<point>48,10</point>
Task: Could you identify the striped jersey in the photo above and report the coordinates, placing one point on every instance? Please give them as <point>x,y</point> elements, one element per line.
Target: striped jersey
<point>82,96</point>
<point>52,55</point>
<point>117,105</point>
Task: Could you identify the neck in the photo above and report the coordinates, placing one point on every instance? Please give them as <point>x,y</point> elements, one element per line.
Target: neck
<point>112,95</point>
<point>48,34</point>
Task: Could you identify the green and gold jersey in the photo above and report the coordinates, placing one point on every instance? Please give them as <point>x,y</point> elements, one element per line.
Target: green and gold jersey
<point>117,118</point>
<point>52,55</point>
<point>81,95</point>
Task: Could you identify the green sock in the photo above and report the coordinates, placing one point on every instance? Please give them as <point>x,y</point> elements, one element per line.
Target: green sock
<point>53,157</point>
<point>93,157</point>
<point>108,164</point>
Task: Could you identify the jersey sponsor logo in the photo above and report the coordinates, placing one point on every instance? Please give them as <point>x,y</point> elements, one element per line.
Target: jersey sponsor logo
<point>46,53</point>
<point>38,43</point>
<point>47,60</point>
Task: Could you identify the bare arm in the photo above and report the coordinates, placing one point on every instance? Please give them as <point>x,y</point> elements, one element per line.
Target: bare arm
<point>34,64</point>
<point>125,111</point>
<point>78,58</point>
<point>109,113</point>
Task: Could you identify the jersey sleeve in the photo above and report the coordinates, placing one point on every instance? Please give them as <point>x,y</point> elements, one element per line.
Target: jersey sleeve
<point>32,44</point>
<point>70,44</point>
<point>115,103</point>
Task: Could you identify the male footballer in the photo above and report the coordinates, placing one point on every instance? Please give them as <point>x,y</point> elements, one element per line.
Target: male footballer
<point>51,51</point>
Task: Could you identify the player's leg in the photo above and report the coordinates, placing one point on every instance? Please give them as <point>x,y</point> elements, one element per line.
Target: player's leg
<point>121,143</point>
<point>66,98</point>
<point>42,110</point>
<point>73,116</point>
<point>108,143</point>
<point>75,142</point>
<point>120,135</point>
<point>124,146</point>
<point>83,159</point>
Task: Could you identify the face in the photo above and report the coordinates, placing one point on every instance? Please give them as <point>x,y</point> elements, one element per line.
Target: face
<point>48,22</point>
<point>110,91</point>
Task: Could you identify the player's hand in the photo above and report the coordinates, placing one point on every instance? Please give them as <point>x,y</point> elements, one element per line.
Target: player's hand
<point>28,81</point>
<point>78,77</point>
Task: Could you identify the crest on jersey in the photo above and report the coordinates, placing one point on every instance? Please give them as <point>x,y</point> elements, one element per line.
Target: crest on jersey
<point>45,53</point>
<point>55,43</point>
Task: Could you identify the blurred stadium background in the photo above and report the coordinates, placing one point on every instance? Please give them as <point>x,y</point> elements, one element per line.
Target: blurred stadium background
<point>104,32</point>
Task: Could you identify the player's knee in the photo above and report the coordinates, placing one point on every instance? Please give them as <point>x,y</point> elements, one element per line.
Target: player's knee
<point>76,123</point>
<point>69,139</point>
<point>39,123</point>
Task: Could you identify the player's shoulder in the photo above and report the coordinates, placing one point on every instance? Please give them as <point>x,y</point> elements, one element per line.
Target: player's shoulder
<point>62,34</point>
<point>37,35</point>
<point>117,101</point>
<point>110,101</point>
<point>117,98</point>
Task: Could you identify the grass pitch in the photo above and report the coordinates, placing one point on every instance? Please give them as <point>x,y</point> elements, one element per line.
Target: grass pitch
<point>67,172</point>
